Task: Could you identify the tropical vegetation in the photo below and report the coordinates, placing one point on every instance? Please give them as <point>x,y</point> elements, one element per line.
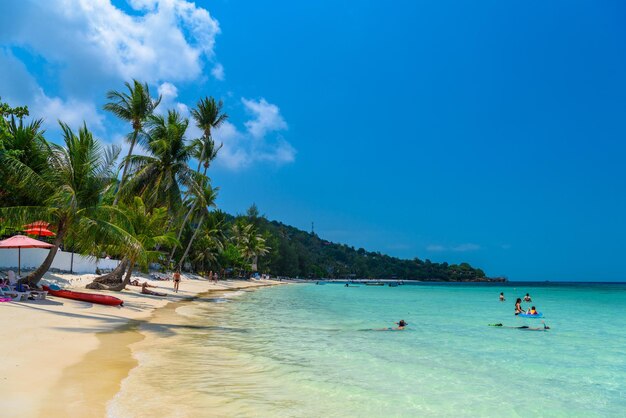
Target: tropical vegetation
<point>161,212</point>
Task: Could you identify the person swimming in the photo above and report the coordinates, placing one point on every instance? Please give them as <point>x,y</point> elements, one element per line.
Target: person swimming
<point>502,297</point>
<point>527,298</point>
<point>518,307</point>
<point>400,326</point>
<point>523,327</point>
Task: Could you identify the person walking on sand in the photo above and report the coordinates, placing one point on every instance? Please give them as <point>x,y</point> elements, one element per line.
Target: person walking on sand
<point>176,280</point>
<point>215,277</point>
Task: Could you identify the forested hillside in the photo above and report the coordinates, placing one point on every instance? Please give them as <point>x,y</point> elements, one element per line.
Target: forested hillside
<point>297,253</point>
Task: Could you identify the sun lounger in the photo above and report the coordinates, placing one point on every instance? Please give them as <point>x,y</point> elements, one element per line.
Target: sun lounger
<point>14,294</point>
<point>38,294</point>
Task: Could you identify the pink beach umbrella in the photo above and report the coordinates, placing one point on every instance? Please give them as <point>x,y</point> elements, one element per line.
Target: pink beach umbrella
<point>22,241</point>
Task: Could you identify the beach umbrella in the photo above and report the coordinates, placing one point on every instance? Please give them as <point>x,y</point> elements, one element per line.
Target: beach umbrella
<point>40,232</point>
<point>39,228</point>
<point>38,224</point>
<point>22,241</point>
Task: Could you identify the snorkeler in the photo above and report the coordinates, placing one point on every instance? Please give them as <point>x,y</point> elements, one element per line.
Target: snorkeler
<point>523,327</point>
<point>401,324</point>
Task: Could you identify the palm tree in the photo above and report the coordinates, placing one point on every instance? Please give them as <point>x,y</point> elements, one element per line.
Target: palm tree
<point>67,191</point>
<point>205,196</point>
<point>208,115</point>
<point>157,177</point>
<point>145,231</point>
<point>24,143</point>
<point>134,107</point>
<point>250,244</point>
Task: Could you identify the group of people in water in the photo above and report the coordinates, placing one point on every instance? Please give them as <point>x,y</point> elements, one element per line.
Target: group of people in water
<point>519,310</point>
<point>518,305</point>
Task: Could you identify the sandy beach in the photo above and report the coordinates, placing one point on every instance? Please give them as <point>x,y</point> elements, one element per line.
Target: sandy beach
<point>43,367</point>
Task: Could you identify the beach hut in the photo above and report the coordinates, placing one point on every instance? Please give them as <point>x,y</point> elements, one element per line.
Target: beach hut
<point>22,241</point>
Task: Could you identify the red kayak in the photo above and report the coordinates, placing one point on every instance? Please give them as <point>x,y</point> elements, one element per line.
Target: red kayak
<point>85,297</point>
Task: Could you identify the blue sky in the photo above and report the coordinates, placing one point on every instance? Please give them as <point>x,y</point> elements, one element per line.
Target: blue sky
<point>489,132</point>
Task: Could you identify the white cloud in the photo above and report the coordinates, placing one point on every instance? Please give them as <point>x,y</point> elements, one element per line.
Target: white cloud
<point>218,71</point>
<point>169,94</point>
<point>88,45</point>
<point>457,248</point>
<point>161,40</point>
<point>21,88</point>
<point>466,247</point>
<point>73,112</point>
<point>85,47</point>
<point>266,117</point>
<point>243,148</point>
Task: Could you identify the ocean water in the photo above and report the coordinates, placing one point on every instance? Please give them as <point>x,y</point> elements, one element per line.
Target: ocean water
<point>312,351</point>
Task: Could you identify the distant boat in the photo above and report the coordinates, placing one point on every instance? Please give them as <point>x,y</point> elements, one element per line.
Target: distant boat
<point>375,284</point>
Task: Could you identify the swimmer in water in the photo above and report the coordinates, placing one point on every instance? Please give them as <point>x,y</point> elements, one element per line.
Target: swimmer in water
<point>523,327</point>
<point>527,298</point>
<point>502,297</point>
<point>400,326</point>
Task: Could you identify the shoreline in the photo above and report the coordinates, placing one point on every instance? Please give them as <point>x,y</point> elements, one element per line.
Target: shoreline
<point>54,348</point>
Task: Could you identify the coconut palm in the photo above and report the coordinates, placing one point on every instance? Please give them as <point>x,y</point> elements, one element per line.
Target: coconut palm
<point>134,107</point>
<point>250,244</point>
<point>145,230</point>
<point>158,177</point>
<point>207,115</point>
<point>67,191</point>
<point>24,143</point>
<point>205,197</point>
<point>207,248</point>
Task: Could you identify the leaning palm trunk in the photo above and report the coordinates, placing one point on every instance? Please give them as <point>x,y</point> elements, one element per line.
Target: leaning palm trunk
<point>126,281</point>
<point>180,233</point>
<point>110,279</point>
<point>34,278</point>
<point>130,152</point>
<point>193,237</point>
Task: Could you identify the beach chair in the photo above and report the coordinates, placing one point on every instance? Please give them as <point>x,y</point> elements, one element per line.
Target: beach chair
<point>13,294</point>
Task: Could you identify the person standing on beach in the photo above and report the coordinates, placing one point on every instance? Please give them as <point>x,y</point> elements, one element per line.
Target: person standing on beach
<point>215,277</point>
<point>176,280</point>
<point>210,276</point>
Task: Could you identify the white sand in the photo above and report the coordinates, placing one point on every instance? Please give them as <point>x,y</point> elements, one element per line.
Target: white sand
<point>42,338</point>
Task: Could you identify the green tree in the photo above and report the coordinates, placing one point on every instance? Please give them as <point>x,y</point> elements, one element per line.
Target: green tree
<point>158,177</point>
<point>208,115</point>
<point>134,107</point>
<point>205,197</point>
<point>67,191</point>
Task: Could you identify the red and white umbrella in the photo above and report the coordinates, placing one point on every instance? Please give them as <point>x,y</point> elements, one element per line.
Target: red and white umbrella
<point>22,241</point>
<point>39,228</point>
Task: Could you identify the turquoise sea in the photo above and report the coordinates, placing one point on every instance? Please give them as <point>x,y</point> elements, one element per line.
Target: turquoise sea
<point>311,351</point>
